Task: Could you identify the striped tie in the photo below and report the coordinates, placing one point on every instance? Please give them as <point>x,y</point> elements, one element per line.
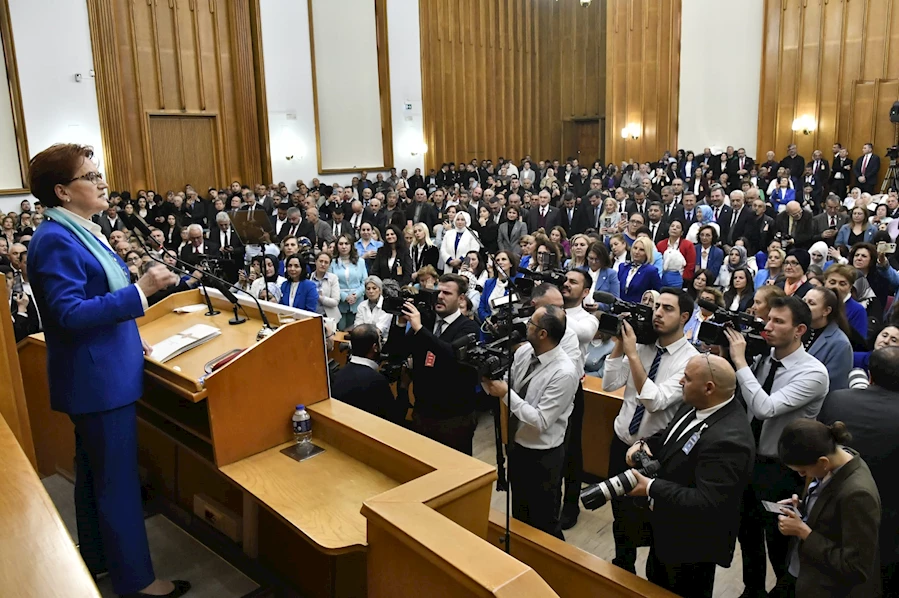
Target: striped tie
<point>638,414</point>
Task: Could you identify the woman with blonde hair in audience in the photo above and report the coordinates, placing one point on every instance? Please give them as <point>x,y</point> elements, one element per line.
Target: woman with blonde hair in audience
<point>761,300</point>
<point>772,273</point>
<point>528,246</point>
<point>579,245</point>
<point>619,252</point>
<point>350,272</point>
<point>701,314</point>
<point>640,274</point>
<point>510,231</point>
<point>427,278</point>
<point>371,310</point>
<point>609,219</point>
<point>678,257</point>
<point>421,250</point>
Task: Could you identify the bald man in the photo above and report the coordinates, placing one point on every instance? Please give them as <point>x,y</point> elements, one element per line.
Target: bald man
<point>795,226</point>
<point>706,455</point>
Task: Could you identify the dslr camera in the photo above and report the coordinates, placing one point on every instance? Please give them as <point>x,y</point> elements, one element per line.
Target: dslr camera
<point>711,332</point>
<point>640,318</point>
<point>490,360</point>
<point>395,297</point>
<point>599,494</point>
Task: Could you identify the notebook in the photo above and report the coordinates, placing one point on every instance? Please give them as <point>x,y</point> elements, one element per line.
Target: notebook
<point>183,341</point>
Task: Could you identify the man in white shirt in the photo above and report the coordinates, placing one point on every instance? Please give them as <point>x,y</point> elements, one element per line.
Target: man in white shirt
<point>783,386</point>
<point>577,287</point>
<point>650,375</point>
<point>541,399</point>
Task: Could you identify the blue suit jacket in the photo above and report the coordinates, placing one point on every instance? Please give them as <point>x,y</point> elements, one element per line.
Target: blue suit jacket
<point>716,258</point>
<point>646,278</point>
<point>833,349</point>
<point>95,359</point>
<point>305,298</point>
<point>607,282</point>
<point>484,309</point>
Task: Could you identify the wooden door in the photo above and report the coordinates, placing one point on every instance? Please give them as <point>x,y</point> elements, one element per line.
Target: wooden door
<point>589,140</point>
<point>184,151</point>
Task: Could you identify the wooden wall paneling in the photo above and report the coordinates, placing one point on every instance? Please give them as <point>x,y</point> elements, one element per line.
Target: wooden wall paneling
<point>116,148</point>
<point>885,131</point>
<point>806,80</point>
<point>829,63</point>
<point>8,54</point>
<point>244,89</point>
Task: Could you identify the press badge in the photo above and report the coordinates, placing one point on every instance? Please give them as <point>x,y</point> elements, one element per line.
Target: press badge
<point>691,443</point>
<point>429,360</point>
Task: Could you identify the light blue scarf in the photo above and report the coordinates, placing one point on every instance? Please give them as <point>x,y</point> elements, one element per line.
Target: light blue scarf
<point>115,275</point>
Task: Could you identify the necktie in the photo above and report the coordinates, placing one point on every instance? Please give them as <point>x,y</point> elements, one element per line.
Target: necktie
<point>716,213</point>
<point>756,424</point>
<point>641,410</point>
<point>293,230</point>
<point>438,327</point>
<point>652,232</point>
<point>690,216</point>
<point>833,220</point>
<point>336,229</point>
<point>733,218</point>
<point>865,164</point>
<point>791,225</point>
<point>596,217</point>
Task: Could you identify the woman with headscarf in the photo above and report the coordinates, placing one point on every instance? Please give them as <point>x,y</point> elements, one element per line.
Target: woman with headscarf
<point>795,282</point>
<point>705,214</point>
<point>457,243</point>
<point>268,267</point>
<point>818,255</point>
<point>736,260</point>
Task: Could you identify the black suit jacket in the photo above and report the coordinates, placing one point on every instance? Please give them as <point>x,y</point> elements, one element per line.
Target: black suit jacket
<point>872,416</point>
<point>344,228</point>
<point>723,221</point>
<point>734,165</point>
<point>740,225</point>
<point>583,219</point>
<point>843,166</point>
<point>402,266</point>
<point>870,173</point>
<point>756,234</point>
<point>802,230</point>
<point>822,175</point>
<point>303,229</point>
<point>566,222</point>
<point>553,218</point>
<point>215,246</point>
<point>443,388</point>
<point>427,215</point>
<point>697,495</point>
<point>821,223</point>
<point>661,231</point>
<point>362,387</point>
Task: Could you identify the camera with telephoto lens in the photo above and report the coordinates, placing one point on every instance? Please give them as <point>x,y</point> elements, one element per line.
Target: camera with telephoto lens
<point>395,297</point>
<point>893,152</point>
<point>213,265</point>
<point>640,318</point>
<point>711,332</point>
<point>490,360</point>
<point>599,494</point>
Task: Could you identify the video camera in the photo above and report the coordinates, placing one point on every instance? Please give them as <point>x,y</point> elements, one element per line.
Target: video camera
<point>711,332</point>
<point>490,360</point>
<point>599,494</point>
<point>640,318</point>
<point>395,297</point>
<point>893,152</point>
<point>549,272</point>
<point>511,313</point>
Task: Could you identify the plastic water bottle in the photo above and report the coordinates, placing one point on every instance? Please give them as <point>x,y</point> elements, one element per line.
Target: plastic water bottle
<point>302,426</point>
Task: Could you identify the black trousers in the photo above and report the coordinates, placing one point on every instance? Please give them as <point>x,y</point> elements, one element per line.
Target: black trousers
<point>574,457</point>
<point>630,527</point>
<point>785,588</point>
<point>684,579</point>
<point>535,477</point>
<point>771,481</point>
<point>455,432</point>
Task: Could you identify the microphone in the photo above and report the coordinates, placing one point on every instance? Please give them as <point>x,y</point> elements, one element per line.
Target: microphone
<point>707,305</point>
<point>267,327</point>
<point>603,297</point>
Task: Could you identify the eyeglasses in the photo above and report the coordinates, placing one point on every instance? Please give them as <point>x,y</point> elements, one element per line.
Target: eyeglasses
<point>531,323</point>
<point>791,263</point>
<point>91,177</point>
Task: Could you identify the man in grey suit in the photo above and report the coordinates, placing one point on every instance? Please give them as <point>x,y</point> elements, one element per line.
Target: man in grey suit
<point>872,417</point>
<point>322,230</point>
<point>110,221</point>
<point>826,224</point>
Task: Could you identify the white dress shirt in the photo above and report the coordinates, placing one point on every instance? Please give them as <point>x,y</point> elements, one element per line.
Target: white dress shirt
<point>798,391</point>
<point>661,398</point>
<point>549,400</point>
<point>366,362</point>
<point>585,326</point>
<point>94,229</point>
<point>374,315</point>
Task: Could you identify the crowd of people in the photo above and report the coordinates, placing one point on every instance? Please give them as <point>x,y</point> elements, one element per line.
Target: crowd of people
<point>801,252</point>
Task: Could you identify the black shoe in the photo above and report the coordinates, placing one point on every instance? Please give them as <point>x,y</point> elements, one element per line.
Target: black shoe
<point>181,588</point>
<point>753,593</point>
<point>569,517</point>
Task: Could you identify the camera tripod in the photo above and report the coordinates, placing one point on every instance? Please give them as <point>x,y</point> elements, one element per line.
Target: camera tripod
<point>890,180</point>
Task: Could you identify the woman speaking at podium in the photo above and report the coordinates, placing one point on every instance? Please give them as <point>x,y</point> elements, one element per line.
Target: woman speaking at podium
<point>95,363</point>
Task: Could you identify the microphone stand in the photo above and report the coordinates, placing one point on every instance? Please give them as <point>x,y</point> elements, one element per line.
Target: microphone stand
<point>225,287</point>
<point>500,463</point>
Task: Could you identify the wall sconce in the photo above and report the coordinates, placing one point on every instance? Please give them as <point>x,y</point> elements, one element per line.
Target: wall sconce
<point>632,130</point>
<point>805,123</point>
<point>419,148</point>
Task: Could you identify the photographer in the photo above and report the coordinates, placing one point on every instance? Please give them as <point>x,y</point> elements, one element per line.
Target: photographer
<point>652,394</point>
<point>543,385</point>
<point>360,383</point>
<point>577,287</point>
<point>786,385</point>
<point>444,391</point>
<point>706,455</point>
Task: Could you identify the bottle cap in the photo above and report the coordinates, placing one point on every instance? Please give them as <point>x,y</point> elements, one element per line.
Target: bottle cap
<point>301,407</point>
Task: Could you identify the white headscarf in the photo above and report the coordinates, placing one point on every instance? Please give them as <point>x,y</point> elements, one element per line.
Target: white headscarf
<point>821,248</point>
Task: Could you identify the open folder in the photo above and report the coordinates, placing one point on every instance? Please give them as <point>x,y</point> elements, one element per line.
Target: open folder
<point>183,341</point>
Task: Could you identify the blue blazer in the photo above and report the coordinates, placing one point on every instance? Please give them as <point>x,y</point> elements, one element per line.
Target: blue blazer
<point>306,297</point>
<point>646,278</point>
<point>833,349</point>
<point>716,258</point>
<point>95,360</point>
<point>782,197</point>
<point>607,282</point>
<point>843,235</point>
<point>484,309</point>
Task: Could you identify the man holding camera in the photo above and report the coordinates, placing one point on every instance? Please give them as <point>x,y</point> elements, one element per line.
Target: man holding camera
<point>360,383</point>
<point>444,390</point>
<point>543,384</point>
<point>650,374</point>
<point>576,288</point>
<point>784,385</point>
<point>705,455</point>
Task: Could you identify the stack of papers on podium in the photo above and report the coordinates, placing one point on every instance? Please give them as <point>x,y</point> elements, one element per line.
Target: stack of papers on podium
<point>183,341</point>
<point>189,309</point>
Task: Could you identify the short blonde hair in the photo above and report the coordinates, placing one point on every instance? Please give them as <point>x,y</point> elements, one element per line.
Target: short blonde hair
<point>646,243</point>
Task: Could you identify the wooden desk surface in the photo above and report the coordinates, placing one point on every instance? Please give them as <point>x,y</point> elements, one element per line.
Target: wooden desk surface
<point>37,556</point>
<point>321,496</point>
